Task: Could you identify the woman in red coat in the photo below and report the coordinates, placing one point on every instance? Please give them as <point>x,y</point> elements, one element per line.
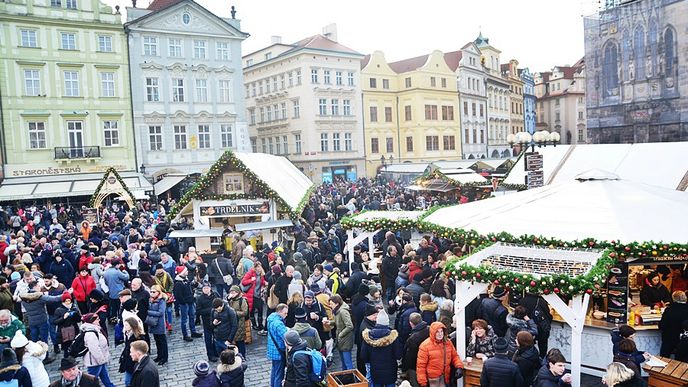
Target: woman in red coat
<point>255,280</point>
<point>82,286</point>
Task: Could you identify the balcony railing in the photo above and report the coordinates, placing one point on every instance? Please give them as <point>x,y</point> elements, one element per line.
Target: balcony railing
<point>83,152</point>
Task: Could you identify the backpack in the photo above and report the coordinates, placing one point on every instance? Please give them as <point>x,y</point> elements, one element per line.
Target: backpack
<point>78,346</point>
<point>12,382</point>
<point>543,324</point>
<point>318,370</point>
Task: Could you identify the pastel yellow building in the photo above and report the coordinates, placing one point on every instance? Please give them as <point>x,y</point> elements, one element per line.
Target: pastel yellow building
<point>410,109</point>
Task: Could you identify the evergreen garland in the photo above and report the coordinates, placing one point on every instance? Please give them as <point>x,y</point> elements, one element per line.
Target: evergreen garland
<point>91,203</point>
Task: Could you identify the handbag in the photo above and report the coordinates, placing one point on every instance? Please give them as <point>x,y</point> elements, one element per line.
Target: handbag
<point>67,333</point>
<point>248,339</point>
<point>228,280</point>
<point>273,300</point>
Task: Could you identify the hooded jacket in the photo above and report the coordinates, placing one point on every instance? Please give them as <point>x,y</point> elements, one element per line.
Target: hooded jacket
<point>528,361</point>
<point>232,375</point>
<point>32,360</point>
<point>309,335</point>
<point>97,345</point>
<point>16,371</point>
<point>517,325</point>
<point>429,312</point>
<point>34,303</point>
<point>345,328</point>
<point>418,335</point>
<point>298,368</point>
<point>381,348</point>
<point>436,358</point>
<point>240,306</point>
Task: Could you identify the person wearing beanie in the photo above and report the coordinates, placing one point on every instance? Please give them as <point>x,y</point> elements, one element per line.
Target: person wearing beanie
<point>184,297</point>
<point>368,322</point>
<point>381,349</point>
<point>34,303</point>
<point>10,369</point>
<point>232,367</point>
<point>72,376</point>
<point>66,318</point>
<point>437,356</point>
<point>296,285</point>
<point>298,361</point>
<point>116,278</point>
<point>306,331</point>
<point>494,312</point>
<point>204,308</point>
<point>238,302</point>
<point>375,296</point>
<point>32,355</point>
<point>225,326</point>
<point>420,331</point>
<point>500,370</point>
<point>317,278</point>
<point>300,264</point>
<point>334,281</point>
<point>315,313</point>
<point>205,377</point>
<point>355,279</point>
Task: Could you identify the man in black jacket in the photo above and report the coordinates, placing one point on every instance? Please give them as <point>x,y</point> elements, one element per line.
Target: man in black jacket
<point>282,284</point>
<point>355,280</point>
<point>298,364</point>
<point>500,371</point>
<point>218,268</point>
<point>69,369</point>
<point>419,332</point>
<point>146,372</point>
<point>369,321</point>
<point>538,311</point>
<point>142,298</point>
<point>671,323</point>
<point>204,308</point>
<point>493,311</point>
<point>225,324</point>
<point>390,270</point>
<point>183,294</point>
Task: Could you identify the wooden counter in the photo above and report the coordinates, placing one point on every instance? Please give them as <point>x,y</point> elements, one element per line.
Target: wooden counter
<point>674,374</point>
<point>471,373</point>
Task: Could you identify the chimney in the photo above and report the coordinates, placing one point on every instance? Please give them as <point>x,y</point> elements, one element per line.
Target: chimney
<point>133,3</point>
<point>275,39</point>
<point>330,31</point>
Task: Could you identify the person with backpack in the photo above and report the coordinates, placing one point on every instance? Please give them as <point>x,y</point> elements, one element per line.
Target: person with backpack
<point>381,349</point>
<point>11,370</point>
<point>300,362</point>
<point>204,305</point>
<point>518,321</point>
<point>239,303</point>
<point>97,354</point>
<point>306,331</point>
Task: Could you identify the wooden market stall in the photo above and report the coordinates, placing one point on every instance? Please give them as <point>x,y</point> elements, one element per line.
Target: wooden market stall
<point>453,185</point>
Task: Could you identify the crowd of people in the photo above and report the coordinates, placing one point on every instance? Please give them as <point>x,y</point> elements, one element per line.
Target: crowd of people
<point>70,289</point>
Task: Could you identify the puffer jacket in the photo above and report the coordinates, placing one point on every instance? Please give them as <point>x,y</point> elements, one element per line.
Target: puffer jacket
<point>240,306</point>
<point>545,378</point>
<point>500,371</point>
<point>528,361</point>
<point>97,345</point>
<point>276,331</point>
<point>309,335</point>
<point>227,329</point>
<point>17,372</point>
<point>157,310</point>
<point>210,380</point>
<point>232,375</point>
<point>429,312</point>
<point>436,358</point>
<point>381,348</point>
<point>345,328</point>
<point>517,325</point>
<point>33,362</point>
<point>34,303</point>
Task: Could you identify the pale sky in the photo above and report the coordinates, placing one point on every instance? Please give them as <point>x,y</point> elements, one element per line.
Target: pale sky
<point>538,33</point>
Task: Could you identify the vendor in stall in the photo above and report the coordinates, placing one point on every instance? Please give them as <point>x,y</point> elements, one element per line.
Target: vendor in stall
<point>654,293</point>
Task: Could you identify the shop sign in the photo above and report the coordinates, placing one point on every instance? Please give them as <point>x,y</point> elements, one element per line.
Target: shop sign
<point>535,179</point>
<point>235,209</point>
<point>90,215</point>
<point>533,161</point>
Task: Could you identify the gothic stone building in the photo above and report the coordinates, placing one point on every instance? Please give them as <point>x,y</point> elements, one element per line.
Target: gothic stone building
<point>637,74</point>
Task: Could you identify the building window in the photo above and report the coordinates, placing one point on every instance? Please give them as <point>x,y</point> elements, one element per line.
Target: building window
<point>348,143</point>
<point>274,83</point>
<point>233,182</point>
<point>336,144</point>
<point>373,83</point>
<point>407,113</point>
<point>152,91</point>
<point>70,4</point>
<point>150,46</point>
<point>225,91</point>
<point>174,48</point>
<point>75,133</point>
<point>254,145</point>
<point>68,41</point>
<point>290,77</point>
<point>281,81</point>
<point>580,115</point>
<point>278,146</point>
<point>71,83</point>
<point>37,135</point>
<point>180,137</point>
<point>350,79</point>
<point>580,135</point>
<point>444,83</point>
<point>177,90</point>
<point>338,78</point>
<point>669,51</point>
<point>346,107</point>
<point>252,115</point>
<point>466,136</point>
<point>107,84</point>
<point>389,144</point>
<point>407,82</point>
<point>296,107</point>
<point>32,83</point>
<point>482,136</point>
<point>448,113</point>
<point>28,38</point>
<point>385,84</point>
<point>297,144</point>
<point>388,114</point>
<point>204,136</point>
<point>432,143</point>
<point>264,145</point>
<point>271,147</point>
<point>199,49</point>
<point>111,133</point>
<point>433,82</point>
<point>326,77</point>
<point>56,3</point>
<point>639,50</point>
<point>324,143</point>
<point>335,107</point>
<point>283,107</point>
<point>275,107</point>
<point>104,43</point>
<point>558,116</point>
<point>322,106</point>
<point>482,110</point>
<point>465,108</point>
<point>373,114</point>
<point>298,76</point>
<point>374,145</point>
<point>222,50</point>
<point>473,110</point>
<point>409,144</point>
<point>314,75</point>
<point>262,115</point>
<point>201,90</point>
<point>609,70</point>
<point>448,142</point>
<point>155,137</point>
<point>431,112</point>
<point>268,110</point>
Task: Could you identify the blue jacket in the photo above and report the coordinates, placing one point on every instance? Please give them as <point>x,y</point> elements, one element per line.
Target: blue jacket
<point>500,371</point>
<point>402,323</point>
<point>115,281</point>
<point>157,309</point>
<point>381,348</point>
<point>276,331</point>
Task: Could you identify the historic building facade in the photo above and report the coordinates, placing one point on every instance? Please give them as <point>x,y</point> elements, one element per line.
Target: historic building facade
<point>472,87</point>
<point>510,72</point>
<point>410,109</point>
<point>64,84</point>
<point>304,102</point>
<point>188,93</point>
<point>637,84</point>
<point>529,100</point>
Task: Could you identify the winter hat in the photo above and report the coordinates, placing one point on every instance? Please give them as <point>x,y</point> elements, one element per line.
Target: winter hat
<point>89,318</point>
<point>19,340</point>
<point>201,368</point>
<point>205,284</point>
<point>96,295</point>
<point>372,290</point>
<point>125,292</point>
<point>328,268</point>
<point>382,318</point>
<point>235,288</point>
<point>9,358</point>
<point>15,276</point>
<point>159,266</point>
<point>355,266</point>
<point>370,310</point>
<point>363,289</point>
<point>299,313</point>
<point>67,363</point>
<point>292,338</point>
<point>500,345</point>
<point>309,294</point>
<point>66,296</point>
<point>276,270</point>
<point>179,269</point>
<point>498,292</point>
<point>315,288</point>
<point>297,275</point>
<point>297,256</point>
<point>129,304</point>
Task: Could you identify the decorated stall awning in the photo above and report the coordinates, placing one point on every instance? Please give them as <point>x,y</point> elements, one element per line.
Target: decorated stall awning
<point>375,220</point>
<point>445,180</point>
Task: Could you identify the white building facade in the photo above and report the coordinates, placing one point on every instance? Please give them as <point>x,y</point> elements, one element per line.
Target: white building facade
<point>472,103</point>
<point>187,86</point>
<point>303,102</point>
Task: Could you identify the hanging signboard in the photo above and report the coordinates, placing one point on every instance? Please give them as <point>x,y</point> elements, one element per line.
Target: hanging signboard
<point>533,161</point>
<point>535,179</point>
<point>235,209</point>
<point>90,215</point>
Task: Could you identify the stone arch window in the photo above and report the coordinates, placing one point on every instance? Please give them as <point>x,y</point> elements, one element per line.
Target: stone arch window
<point>495,154</point>
<point>639,51</point>
<point>669,51</point>
<point>610,67</point>
<point>626,55</point>
<point>652,44</point>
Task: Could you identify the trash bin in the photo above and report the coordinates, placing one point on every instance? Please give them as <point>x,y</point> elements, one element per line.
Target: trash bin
<point>349,378</point>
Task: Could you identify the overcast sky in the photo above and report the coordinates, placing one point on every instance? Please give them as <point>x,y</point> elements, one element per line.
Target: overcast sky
<point>538,33</point>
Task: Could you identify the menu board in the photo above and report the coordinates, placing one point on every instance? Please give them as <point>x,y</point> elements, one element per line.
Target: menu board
<point>617,294</point>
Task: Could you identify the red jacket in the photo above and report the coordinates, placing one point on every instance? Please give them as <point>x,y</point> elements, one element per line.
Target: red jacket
<point>413,268</point>
<point>82,287</point>
<point>85,260</point>
<point>246,281</point>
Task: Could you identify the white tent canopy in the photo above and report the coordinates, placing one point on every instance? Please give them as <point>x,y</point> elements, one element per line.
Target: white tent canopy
<point>598,205</point>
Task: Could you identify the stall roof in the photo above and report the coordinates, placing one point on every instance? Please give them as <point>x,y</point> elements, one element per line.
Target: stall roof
<point>264,225</point>
<point>167,183</point>
<point>211,232</point>
<point>464,176</point>
<point>454,164</point>
<point>597,205</point>
<point>661,164</point>
<point>406,168</point>
<point>389,215</point>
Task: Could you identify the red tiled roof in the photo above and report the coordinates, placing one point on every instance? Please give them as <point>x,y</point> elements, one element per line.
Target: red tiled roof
<point>365,61</point>
<point>157,5</point>
<point>451,58</point>
<point>322,43</point>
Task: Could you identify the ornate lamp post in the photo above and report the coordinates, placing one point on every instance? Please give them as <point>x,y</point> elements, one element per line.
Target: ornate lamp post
<point>533,160</point>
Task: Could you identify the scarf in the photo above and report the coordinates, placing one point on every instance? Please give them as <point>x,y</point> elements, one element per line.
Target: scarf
<point>72,383</point>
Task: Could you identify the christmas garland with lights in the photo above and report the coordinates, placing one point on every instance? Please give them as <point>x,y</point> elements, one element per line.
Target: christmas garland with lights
<point>198,190</point>
<point>112,170</point>
<point>349,222</point>
<point>437,174</point>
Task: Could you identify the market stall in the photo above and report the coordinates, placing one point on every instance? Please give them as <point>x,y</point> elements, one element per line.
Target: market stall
<point>252,193</point>
<point>453,185</point>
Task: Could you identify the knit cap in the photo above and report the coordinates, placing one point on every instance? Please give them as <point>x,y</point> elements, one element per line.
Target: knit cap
<point>201,368</point>
<point>292,338</point>
<point>382,318</point>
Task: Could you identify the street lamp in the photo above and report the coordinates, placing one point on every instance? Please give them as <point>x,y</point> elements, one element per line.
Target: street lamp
<point>539,138</point>
<point>142,169</point>
<point>383,161</point>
